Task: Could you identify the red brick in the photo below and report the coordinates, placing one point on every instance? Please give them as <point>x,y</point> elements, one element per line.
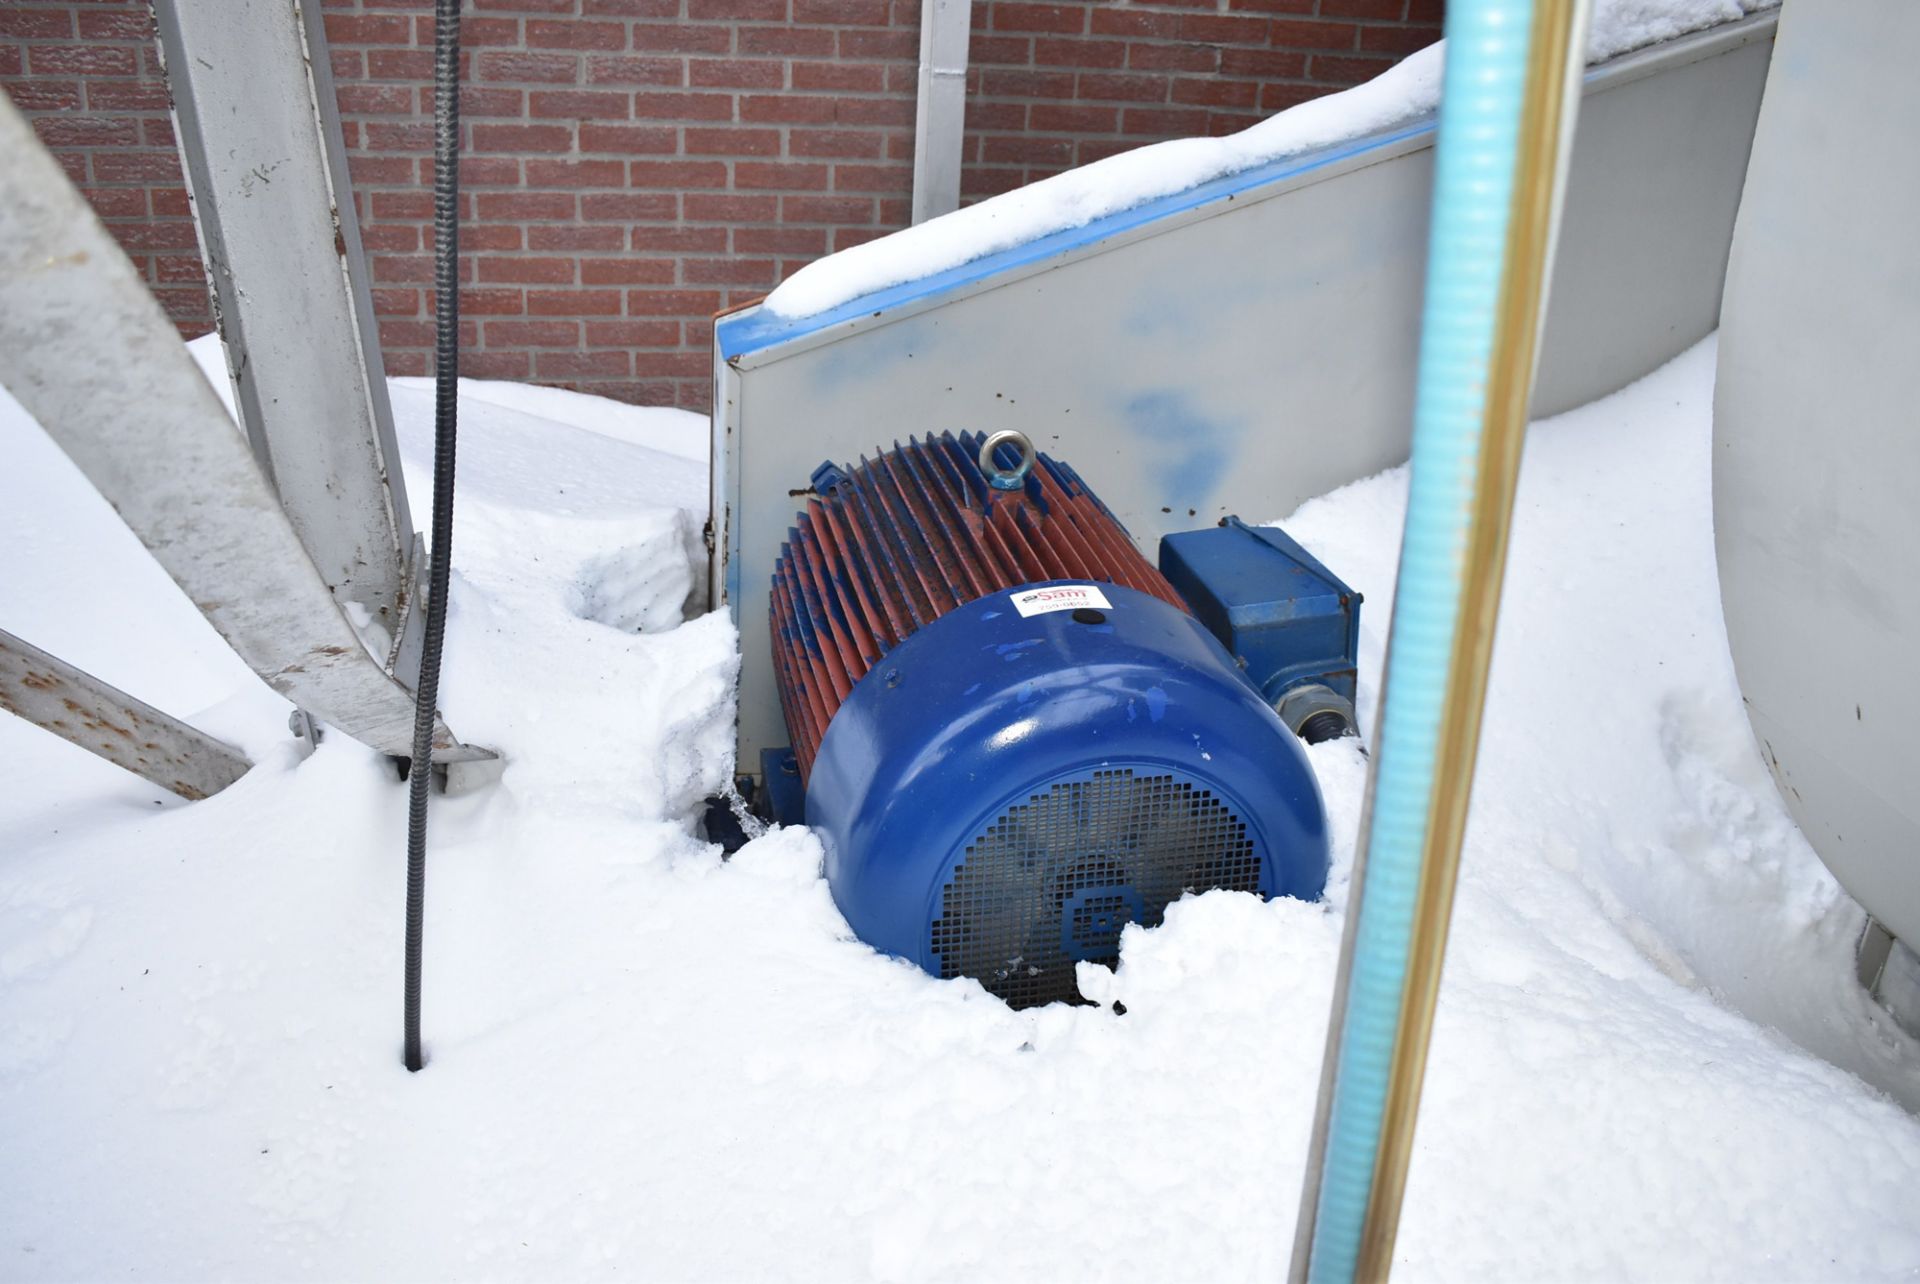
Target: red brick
<point>787,42</point>
<point>573,303</point>
<point>401,269</point>
<point>81,60</point>
<point>672,303</point>
<point>677,175</point>
<point>855,43</point>
<point>572,33</point>
<point>1398,40</point>
<point>575,173</point>
<point>1346,70</point>
<point>1271,6</point>
<point>169,202</point>
<point>1299,33</point>
<point>727,271</point>
<point>737,10</point>
<point>495,365</point>
<point>479,171</point>
<point>494,237</point>
<point>1267,64</point>
<point>476,100</point>
<point>841,13</point>
<point>37,24</point>
<point>874,111</point>
<point>13,60</point>
<point>117,202</point>
<point>652,106</point>
<point>485,302</point>
<point>626,271</point>
<point>854,144</point>
<point>680,240</point>
<point>401,303</point>
<point>633,334</point>
<point>515,138</point>
<point>1124,88</point>
<point>1279,97</point>
<point>984,115</point>
<point>388,136</point>
<point>1214,92</point>
<point>657,37</point>
<point>632,8</point>
<point>546,69</point>
<point>779,175</point>
<point>703,208</point>
<point>647,140</point>
<point>475,33</point>
<point>532,334</point>
<point>1213,29</point>
<point>1146,57</point>
<point>511,205</point>
<point>786,109</point>
<point>391,237</point>
<point>577,104</point>
<point>133,167</point>
<point>622,206</point>
<point>369,29</point>
<point>1163,122</point>
<point>87,131</point>
<point>1363,8</point>
<point>826,209</point>
<point>1061,118</point>
<point>1027,150</point>
<point>376,100</point>
<point>107,95</point>
<point>853,78</point>
<point>1134,22</point>
<point>1027,84</point>
<point>585,237</point>
<point>527,271</point>
<point>780,240</point>
<point>1006,51</point>
<point>1079,53</point>
<point>732,142</point>
<point>1039,17</point>
<point>400,64</point>
<point>1227,122</point>
<point>153,234</point>
<point>132,24</point>
<point>847,237</point>
<point>735,73</point>
<point>667,72</point>
<point>576,365</point>
<point>392,171</point>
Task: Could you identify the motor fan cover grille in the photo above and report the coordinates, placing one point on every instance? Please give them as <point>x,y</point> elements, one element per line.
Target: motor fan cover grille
<point>1054,879</point>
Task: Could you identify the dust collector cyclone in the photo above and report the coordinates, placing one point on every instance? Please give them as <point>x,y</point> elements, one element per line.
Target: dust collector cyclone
<point>1014,738</point>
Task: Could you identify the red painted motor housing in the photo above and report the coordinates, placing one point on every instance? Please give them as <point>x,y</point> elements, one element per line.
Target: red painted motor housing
<point>888,546</point>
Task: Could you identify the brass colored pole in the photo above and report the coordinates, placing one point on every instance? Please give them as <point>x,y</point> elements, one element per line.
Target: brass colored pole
<point>1551,97</point>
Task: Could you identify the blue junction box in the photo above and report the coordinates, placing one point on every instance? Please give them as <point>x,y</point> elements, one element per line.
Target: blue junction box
<point>1291,624</point>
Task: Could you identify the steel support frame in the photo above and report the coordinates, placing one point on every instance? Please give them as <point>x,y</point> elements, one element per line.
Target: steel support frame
<point>259,131</point>
<point>91,356</point>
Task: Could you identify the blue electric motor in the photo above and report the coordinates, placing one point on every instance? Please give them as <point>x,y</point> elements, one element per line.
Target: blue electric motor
<point>1014,736</point>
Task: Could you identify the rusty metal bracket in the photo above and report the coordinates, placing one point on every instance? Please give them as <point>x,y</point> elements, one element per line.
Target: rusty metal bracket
<point>104,720</point>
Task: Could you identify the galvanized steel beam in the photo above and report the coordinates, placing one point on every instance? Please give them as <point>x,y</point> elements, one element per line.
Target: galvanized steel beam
<point>104,720</point>
<point>254,108</point>
<point>88,352</point>
<point>940,110</point>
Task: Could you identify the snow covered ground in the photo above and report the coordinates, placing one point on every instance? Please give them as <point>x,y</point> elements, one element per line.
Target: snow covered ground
<point>649,1063</point>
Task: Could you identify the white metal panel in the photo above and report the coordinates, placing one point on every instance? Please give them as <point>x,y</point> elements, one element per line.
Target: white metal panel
<point>1248,350</point>
<point>1817,443</point>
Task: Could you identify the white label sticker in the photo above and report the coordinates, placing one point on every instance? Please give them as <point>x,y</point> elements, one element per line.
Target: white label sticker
<point>1060,597</point>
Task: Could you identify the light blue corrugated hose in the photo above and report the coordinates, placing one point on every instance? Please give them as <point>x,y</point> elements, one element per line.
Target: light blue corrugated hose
<point>1480,114</point>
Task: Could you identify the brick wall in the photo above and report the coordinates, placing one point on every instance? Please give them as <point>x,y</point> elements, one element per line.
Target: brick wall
<point>634,166</point>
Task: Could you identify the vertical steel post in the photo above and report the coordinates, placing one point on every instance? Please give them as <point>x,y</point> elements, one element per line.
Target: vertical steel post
<point>259,130</point>
<point>939,116</point>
